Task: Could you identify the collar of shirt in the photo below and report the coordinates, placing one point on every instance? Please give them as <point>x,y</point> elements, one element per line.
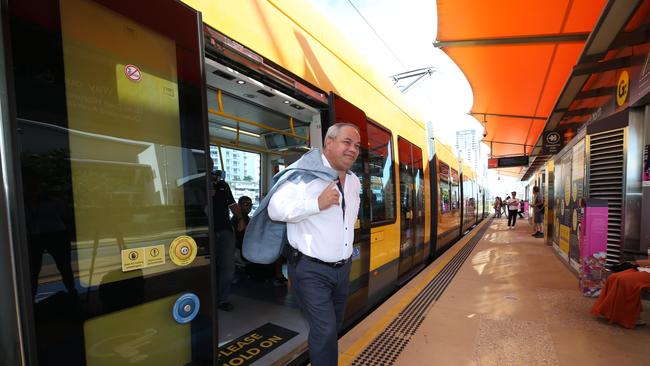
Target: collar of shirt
<point>327,163</point>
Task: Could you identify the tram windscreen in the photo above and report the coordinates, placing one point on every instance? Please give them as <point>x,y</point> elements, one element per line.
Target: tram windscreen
<point>121,87</point>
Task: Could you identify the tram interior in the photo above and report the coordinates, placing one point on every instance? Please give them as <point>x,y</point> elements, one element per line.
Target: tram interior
<point>255,132</point>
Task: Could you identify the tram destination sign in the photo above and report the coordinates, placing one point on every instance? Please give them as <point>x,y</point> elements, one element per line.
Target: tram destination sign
<point>509,162</point>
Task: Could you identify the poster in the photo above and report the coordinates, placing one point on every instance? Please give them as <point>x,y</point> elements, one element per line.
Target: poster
<point>577,194</point>
<point>565,204</point>
<point>593,246</point>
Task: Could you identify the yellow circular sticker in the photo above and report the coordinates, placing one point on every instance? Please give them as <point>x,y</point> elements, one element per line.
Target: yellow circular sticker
<point>623,88</point>
<point>183,250</point>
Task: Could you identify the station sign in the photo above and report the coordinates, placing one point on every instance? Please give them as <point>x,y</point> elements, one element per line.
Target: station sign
<point>552,142</point>
<point>509,162</point>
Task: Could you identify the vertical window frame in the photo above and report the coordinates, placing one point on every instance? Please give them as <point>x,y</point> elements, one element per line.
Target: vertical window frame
<point>393,176</point>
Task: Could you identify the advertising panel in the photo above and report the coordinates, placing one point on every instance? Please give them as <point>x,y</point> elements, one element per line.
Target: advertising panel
<point>593,246</point>
<point>565,204</point>
<point>577,194</point>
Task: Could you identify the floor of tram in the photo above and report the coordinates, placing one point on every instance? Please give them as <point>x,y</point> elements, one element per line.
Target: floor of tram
<point>257,302</point>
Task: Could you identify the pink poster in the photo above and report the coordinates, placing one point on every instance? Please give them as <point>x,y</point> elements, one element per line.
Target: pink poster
<point>593,245</point>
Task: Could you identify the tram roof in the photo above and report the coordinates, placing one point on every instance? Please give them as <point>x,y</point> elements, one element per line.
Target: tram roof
<point>523,60</point>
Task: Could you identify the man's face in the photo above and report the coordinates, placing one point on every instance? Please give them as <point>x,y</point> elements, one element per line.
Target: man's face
<point>245,206</point>
<point>343,150</point>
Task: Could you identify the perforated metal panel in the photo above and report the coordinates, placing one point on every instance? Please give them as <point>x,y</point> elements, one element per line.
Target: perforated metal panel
<point>606,173</point>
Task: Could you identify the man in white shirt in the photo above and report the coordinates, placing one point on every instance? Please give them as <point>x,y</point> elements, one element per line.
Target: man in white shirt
<point>320,217</point>
<point>513,208</point>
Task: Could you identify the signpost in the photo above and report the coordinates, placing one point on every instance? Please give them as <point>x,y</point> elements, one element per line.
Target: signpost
<point>509,162</point>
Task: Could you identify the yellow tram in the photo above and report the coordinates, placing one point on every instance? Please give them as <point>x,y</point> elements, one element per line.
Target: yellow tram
<point>112,119</point>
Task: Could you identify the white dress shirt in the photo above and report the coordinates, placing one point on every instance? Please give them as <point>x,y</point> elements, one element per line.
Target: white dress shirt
<point>325,235</point>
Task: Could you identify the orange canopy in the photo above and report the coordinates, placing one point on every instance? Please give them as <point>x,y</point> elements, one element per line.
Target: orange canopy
<point>517,56</point>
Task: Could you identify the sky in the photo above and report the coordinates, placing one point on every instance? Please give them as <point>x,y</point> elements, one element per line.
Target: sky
<point>405,31</point>
<point>401,39</point>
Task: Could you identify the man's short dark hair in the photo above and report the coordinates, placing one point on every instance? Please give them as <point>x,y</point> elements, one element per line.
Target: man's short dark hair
<point>244,198</point>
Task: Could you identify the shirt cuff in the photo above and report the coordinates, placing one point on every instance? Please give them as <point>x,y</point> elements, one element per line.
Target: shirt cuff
<point>311,206</point>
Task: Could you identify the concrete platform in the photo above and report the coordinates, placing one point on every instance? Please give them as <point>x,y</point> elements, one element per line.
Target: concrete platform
<point>512,302</point>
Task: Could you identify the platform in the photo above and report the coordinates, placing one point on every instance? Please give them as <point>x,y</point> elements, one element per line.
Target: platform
<point>498,297</point>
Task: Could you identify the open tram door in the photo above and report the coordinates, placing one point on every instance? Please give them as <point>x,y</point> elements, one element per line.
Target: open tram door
<point>109,135</point>
<point>343,111</point>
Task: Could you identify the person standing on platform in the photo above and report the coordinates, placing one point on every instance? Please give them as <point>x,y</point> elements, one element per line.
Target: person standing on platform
<point>513,209</point>
<point>497,207</point>
<point>320,217</point>
<point>538,212</point>
<point>222,202</point>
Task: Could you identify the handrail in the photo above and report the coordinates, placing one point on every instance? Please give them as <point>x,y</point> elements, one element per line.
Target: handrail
<point>222,113</point>
<point>256,124</point>
<point>220,157</point>
<point>248,148</point>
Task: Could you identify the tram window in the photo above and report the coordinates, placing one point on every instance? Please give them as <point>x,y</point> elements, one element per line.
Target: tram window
<point>455,190</point>
<point>243,182</point>
<point>382,174</point>
<point>445,191</point>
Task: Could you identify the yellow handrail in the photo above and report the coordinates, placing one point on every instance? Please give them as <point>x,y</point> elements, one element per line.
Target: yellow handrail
<point>248,148</point>
<point>222,113</point>
<point>220,157</point>
<point>252,123</point>
<point>219,100</point>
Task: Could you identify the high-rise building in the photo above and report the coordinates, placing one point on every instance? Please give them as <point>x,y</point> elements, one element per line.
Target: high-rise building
<point>467,144</point>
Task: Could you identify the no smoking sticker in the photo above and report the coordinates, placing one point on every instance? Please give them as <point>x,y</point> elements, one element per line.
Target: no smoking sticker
<point>132,72</point>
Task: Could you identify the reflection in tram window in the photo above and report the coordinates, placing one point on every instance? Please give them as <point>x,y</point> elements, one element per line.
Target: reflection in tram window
<point>445,191</point>
<point>382,174</point>
<point>242,170</point>
<point>113,167</point>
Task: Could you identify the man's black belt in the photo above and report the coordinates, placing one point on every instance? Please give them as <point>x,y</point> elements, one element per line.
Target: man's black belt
<point>338,264</point>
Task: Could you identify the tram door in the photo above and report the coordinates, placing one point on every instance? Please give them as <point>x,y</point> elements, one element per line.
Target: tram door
<point>110,132</point>
<point>343,111</point>
<point>411,183</point>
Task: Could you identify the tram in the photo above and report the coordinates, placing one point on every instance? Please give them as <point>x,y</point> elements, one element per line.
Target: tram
<point>110,112</point>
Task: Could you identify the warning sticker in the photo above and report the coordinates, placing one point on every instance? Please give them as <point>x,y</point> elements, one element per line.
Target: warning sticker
<point>132,259</point>
<point>132,72</point>
<point>154,256</point>
<point>254,345</point>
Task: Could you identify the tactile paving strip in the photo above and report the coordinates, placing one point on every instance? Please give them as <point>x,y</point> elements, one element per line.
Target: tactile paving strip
<point>388,345</point>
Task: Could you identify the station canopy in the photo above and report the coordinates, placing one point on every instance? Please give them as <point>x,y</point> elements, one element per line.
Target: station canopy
<point>517,56</point>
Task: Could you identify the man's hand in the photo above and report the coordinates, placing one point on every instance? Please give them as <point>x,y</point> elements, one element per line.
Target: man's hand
<point>329,196</point>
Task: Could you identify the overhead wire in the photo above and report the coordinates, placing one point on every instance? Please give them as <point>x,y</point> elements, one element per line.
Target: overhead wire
<point>377,34</point>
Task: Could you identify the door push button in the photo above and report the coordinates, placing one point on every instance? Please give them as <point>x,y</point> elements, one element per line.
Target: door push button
<point>185,308</point>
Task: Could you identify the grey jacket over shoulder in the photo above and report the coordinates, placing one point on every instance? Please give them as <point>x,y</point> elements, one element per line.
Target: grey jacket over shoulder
<point>264,238</point>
